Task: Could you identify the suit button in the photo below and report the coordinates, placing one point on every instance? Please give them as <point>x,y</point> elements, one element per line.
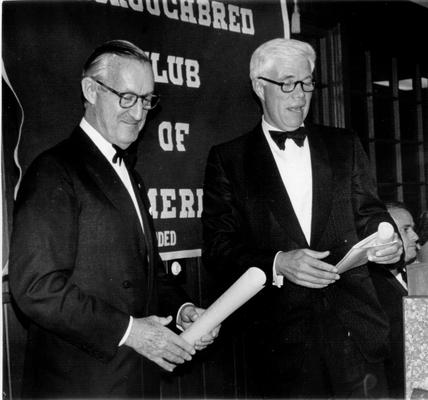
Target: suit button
<point>126,284</point>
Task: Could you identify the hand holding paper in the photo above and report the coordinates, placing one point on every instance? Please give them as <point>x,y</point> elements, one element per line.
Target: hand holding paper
<point>388,253</point>
<point>249,284</point>
<point>382,247</point>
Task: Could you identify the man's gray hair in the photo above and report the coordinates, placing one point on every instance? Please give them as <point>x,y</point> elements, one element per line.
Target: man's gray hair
<point>97,62</point>
<point>279,49</point>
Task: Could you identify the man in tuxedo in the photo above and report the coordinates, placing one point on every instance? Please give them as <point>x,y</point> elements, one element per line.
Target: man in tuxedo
<point>391,286</point>
<point>293,204</point>
<point>84,265</point>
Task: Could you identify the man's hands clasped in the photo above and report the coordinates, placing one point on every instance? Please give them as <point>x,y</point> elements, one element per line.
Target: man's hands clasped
<point>151,338</point>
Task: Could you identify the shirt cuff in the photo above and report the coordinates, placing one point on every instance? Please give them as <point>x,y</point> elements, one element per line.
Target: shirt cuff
<point>128,330</point>
<point>278,280</point>
<point>178,318</point>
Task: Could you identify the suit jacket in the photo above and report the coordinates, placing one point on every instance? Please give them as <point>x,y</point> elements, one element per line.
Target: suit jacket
<point>248,218</point>
<point>390,293</point>
<point>80,265</point>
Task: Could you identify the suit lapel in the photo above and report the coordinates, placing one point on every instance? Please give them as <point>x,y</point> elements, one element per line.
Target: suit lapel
<point>396,284</point>
<point>321,184</point>
<point>151,246</point>
<point>144,205</point>
<point>264,174</point>
<point>107,179</point>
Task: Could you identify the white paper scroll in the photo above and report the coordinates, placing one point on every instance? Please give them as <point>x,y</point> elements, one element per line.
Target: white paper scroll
<point>248,285</point>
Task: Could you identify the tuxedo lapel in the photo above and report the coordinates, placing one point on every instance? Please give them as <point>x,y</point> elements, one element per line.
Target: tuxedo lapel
<point>151,248</point>
<point>107,179</point>
<point>396,284</point>
<point>268,184</point>
<point>321,184</point>
<point>144,205</point>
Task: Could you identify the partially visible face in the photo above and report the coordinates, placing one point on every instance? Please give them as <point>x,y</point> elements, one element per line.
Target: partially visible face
<point>405,224</point>
<point>286,111</point>
<point>118,125</point>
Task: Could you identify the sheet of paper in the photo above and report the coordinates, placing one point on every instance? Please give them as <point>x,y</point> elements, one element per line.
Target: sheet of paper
<point>357,256</point>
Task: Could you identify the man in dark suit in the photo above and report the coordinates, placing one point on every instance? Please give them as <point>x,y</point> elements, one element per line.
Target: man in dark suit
<point>84,265</point>
<point>391,286</point>
<point>293,204</point>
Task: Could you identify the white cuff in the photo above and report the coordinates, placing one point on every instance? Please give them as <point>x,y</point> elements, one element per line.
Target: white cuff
<point>128,330</point>
<point>178,318</point>
<point>278,280</point>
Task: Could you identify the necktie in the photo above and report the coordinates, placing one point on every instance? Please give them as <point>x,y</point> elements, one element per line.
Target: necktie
<point>128,156</point>
<point>280,137</point>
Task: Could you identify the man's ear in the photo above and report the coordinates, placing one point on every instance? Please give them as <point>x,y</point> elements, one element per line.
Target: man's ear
<point>89,89</point>
<point>258,88</point>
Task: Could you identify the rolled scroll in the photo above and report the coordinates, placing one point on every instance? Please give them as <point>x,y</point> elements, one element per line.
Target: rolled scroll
<point>248,285</point>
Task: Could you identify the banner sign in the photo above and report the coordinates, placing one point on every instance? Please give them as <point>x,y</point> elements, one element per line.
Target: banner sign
<point>200,52</point>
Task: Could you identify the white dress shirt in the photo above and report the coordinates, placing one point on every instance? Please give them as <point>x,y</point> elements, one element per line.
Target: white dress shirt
<point>295,168</point>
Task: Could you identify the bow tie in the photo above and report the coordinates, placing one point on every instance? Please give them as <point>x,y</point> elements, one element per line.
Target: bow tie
<point>280,137</point>
<point>128,156</point>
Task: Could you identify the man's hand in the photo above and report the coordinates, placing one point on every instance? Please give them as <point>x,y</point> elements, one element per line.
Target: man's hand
<point>151,338</point>
<point>190,314</point>
<point>390,254</point>
<point>305,268</point>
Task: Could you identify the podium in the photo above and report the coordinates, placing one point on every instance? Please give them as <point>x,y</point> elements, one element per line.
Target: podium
<point>415,309</point>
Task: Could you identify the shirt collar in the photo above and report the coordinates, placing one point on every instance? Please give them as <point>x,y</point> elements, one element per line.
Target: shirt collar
<point>268,127</point>
<point>102,144</point>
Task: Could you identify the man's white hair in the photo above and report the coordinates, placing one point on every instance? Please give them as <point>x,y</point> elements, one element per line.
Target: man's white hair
<point>279,49</point>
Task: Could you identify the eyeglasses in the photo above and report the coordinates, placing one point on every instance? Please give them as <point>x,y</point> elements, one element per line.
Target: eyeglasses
<point>128,99</point>
<point>288,87</point>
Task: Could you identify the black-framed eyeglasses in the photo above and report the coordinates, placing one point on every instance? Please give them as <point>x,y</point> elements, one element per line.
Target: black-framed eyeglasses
<point>129,99</point>
<point>288,87</point>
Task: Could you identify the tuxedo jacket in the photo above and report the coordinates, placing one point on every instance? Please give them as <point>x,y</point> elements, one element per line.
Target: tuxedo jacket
<point>390,293</point>
<point>80,265</point>
<point>248,218</point>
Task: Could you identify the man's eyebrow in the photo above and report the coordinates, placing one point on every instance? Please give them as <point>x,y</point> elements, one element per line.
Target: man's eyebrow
<point>287,76</point>
<point>132,92</point>
<point>293,76</point>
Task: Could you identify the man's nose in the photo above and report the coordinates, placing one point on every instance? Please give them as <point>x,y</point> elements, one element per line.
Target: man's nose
<point>137,111</point>
<point>298,90</point>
